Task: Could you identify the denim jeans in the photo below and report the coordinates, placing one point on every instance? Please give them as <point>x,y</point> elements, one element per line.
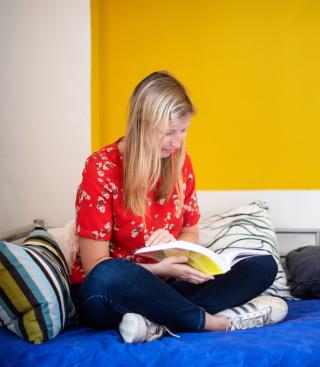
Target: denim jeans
<point>117,286</point>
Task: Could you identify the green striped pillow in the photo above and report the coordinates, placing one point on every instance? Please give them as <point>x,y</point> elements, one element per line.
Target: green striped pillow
<point>35,301</point>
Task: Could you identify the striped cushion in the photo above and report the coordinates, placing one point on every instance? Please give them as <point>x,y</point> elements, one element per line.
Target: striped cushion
<point>35,300</point>
<point>248,226</point>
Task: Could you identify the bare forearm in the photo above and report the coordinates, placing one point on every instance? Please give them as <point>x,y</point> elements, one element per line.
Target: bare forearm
<point>188,236</point>
<point>154,269</point>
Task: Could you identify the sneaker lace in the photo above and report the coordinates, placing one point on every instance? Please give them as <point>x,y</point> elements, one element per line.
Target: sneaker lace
<point>254,319</point>
<point>155,331</point>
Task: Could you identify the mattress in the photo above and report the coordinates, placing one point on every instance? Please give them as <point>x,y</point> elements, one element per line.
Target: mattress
<point>293,342</point>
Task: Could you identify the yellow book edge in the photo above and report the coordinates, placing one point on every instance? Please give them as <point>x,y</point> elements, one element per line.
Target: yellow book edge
<point>204,264</point>
<point>196,260</point>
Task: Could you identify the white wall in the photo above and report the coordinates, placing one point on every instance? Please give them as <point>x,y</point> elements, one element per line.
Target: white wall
<point>288,208</point>
<point>44,108</point>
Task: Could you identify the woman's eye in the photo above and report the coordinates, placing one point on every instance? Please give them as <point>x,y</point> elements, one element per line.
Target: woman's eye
<point>171,133</point>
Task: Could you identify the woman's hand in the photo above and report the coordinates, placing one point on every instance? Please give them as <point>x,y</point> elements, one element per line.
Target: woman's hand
<point>160,236</point>
<point>176,267</point>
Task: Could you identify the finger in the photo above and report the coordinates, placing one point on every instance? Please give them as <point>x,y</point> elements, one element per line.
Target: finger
<point>194,279</point>
<point>201,279</point>
<point>197,281</point>
<point>157,240</point>
<point>206,276</point>
<point>159,236</point>
<point>175,259</point>
<point>177,252</point>
<point>186,270</point>
<point>165,237</point>
<point>191,279</point>
<point>152,238</point>
<point>199,274</point>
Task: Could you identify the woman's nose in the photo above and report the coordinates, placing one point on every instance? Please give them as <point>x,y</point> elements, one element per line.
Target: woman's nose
<point>176,142</point>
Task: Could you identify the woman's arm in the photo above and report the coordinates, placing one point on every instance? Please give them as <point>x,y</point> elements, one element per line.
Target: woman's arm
<point>190,234</point>
<point>92,252</point>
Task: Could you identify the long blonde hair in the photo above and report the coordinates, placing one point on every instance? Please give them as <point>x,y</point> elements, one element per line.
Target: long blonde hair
<point>156,100</point>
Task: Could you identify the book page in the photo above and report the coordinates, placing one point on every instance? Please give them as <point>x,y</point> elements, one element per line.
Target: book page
<point>233,256</point>
<point>199,257</point>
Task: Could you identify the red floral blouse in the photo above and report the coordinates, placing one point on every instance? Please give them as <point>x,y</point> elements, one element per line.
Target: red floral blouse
<point>100,215</point>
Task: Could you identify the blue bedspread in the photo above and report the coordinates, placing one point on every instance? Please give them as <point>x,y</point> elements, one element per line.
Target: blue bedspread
<point>294,342</point>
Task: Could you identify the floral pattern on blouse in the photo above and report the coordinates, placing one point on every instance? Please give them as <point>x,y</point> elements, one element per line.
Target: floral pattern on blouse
<point>100,214</point>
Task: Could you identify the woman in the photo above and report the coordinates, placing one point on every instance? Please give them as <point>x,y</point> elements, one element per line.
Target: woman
<point>140,191</point>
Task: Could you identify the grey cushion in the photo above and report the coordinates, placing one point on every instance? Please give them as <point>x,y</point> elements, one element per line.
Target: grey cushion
<point>303,265</point>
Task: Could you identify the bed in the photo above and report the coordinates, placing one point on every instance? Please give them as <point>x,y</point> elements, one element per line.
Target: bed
<point>293,342</point>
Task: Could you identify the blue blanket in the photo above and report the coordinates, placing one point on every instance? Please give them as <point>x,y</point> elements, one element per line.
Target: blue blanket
<point>294,342</point>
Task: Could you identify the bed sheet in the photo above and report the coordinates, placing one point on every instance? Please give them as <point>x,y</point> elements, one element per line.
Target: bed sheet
<point>294,342</point>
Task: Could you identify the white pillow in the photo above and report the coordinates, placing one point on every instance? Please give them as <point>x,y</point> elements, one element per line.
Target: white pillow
<point>248,226</point>
<point>68,241</point>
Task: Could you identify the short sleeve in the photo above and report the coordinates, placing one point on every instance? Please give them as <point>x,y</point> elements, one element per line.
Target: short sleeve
<point>94,203</point>
<point>191,209</point>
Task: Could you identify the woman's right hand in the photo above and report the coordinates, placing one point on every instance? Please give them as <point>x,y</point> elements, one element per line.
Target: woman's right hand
<point>176,267</point>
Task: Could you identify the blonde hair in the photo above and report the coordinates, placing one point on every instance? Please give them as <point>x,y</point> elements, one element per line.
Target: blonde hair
<point>156,100</point>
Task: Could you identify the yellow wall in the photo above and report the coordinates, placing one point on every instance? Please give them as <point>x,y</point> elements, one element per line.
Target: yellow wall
<point>252,70</point>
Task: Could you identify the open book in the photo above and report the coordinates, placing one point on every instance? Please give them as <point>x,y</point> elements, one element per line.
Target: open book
<point>199,257</point>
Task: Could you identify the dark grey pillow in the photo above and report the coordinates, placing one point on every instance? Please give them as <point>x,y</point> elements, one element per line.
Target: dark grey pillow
<point>303,265</point>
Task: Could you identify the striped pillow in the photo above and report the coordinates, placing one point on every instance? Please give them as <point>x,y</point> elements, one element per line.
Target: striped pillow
<point>35,301</point>
<point>248,226</point>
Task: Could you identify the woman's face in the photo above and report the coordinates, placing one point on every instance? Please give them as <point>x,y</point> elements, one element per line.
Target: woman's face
<point>175,135</point>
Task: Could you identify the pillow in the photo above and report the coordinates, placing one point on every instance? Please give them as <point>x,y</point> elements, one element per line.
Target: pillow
<point>67,240</point>
<point>35,301</point>
<point>304,272</point>
<point>248,226</point>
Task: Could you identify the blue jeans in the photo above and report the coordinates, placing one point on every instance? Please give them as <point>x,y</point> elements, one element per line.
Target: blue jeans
<point>117,286</point>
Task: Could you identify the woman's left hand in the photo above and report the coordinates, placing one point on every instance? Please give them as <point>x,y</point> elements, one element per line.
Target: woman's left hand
<point>160,236</point>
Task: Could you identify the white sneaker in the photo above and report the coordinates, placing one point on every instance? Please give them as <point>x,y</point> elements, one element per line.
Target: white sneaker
<point>135,328</point>
<point>262,310</point>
